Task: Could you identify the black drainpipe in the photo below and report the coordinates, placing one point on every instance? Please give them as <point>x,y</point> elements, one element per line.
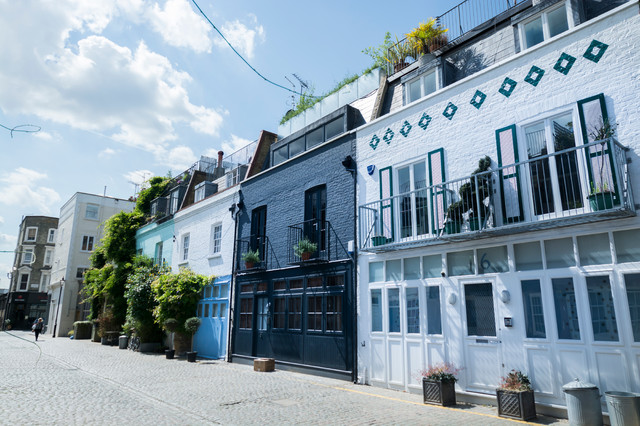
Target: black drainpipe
<point>232,285</point>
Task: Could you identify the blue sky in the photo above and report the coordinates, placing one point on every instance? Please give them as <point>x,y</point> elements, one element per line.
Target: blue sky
<point>127,89</point>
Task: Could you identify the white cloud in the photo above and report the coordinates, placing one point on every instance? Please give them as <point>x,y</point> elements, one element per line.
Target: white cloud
<point>138,176</point>
<point>180,26</point>
<point>178,158</point>
<point>1,220</point>
<point>241,36</point>
<point>8,242</point>
<point>21,188</point>
<point>73,75</point>
<point>106,153</point>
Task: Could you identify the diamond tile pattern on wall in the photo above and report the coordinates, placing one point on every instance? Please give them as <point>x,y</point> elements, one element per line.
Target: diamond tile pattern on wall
<point>450,111</point>
<point>406,129</point>
<point>424,121</point>
<point>388,136</point>
<point>375,140</point>
<point>595,51</point>
<point>508,86</point>
<point>534,76</point>
<point>478,99</point>
<point>564,64</point>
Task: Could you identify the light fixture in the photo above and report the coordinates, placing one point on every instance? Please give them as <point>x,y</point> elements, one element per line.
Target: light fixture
<point>505,296</point>
<point>349,164</point>
<point>452,299</point>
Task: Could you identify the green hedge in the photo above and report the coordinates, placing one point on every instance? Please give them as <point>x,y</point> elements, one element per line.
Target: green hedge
<point>82,329</point>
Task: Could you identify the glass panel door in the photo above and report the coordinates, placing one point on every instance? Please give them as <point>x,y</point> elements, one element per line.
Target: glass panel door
<point>481,319</point>
<point>414,210</point>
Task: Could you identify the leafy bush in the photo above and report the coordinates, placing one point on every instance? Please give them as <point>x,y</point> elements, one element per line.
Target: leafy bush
<point>106,322</point>
<point>516,381</point>
<point>251,256</point>
<point>157,185</point>
<point>192,324</point>
<point>304,246</point>
<point>171,325</point>
<point>442,372</point>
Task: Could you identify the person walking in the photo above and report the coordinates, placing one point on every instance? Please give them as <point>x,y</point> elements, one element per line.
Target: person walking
<point>37,327</point>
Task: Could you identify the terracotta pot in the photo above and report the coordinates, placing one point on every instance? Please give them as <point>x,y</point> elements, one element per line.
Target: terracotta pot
<point>305,256</point>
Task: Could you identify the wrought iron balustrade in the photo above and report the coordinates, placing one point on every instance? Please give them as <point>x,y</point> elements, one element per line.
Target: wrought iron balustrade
<point>319,233</point>
<point>261,244</point>
<point>576,185</point>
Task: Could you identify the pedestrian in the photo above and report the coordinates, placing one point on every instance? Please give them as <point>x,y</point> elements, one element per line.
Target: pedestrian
<point>37,327</point>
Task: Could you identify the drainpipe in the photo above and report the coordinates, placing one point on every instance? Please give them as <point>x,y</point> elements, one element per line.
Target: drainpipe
<point>232,285</point>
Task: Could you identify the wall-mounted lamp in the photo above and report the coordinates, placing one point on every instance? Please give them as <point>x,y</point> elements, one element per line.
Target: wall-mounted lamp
<point>349,164</point>
<point>452,299</point>
<point>505,296</point>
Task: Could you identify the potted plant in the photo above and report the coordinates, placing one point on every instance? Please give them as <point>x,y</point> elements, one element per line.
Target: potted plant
<point>398,53</point>
<point>378,240</point>
<point>439,384</point>
<point>474,193</point>
<point>454,218</point>
<point>250,258</point>
<point>7,324</point>
<point>191,325</point>
<point>171,326</point>
<point>515,396</point>
<point>427,37</point>
<point>601,196</point>
<point>305,248</point>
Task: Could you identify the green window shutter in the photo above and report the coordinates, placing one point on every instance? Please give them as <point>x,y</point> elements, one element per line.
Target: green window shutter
<point>438,193</point>
<point>593,115</point>
<point>384,225</point>
<point>510,191</point>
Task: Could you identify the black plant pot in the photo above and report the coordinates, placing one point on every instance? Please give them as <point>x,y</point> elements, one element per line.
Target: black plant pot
<point>169,353</point>
<point>191,356</point>
<point>516,405</point>
<point>440,393</point>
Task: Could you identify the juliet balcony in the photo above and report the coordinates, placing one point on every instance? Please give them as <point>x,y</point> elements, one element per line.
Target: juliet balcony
<point>314,241</point>
<point>572,186</point>
<point>254,254</point>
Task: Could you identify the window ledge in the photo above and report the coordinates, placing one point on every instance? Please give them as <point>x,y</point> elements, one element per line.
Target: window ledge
<point>183,262</point>
<point>214,256</point>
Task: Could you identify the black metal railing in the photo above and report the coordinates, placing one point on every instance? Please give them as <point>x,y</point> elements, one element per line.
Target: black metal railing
<point>260,245</point>
<point>314,241</point>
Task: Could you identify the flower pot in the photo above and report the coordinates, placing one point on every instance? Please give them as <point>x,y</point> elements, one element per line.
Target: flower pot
<point>452,227</point>
<point>169,353</point>
<point>249,265</point>
<point>601,201</point>
<point>439,393</point>
<point>475,223</point>
<point>379,240</point>
<point>516,405</point>
<point>191,356</point>
<point>305,256</point>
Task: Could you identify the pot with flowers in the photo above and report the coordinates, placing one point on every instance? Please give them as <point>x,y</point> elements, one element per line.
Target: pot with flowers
<point>601,196</point>
<point>515,396</point>
<point>439,384</point>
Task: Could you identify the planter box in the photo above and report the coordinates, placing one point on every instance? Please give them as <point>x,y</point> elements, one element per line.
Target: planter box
<point>452,227</point>
<point>149,347</point>
<point>378,240</point>
<point>264,364</point>
<point>516,405</point>
<point>601,201</point>
<point>440,393</point>
<point>191,356</point>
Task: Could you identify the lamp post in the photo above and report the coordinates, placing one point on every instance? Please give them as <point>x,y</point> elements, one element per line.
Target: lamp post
<point>8,299</point>
<point>55,324</point>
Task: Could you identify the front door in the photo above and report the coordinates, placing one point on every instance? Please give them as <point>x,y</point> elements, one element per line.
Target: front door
<point>262,318</point>
<point>482,344</point>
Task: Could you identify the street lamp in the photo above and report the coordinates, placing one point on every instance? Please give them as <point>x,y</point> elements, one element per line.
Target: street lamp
<point>55,324</point>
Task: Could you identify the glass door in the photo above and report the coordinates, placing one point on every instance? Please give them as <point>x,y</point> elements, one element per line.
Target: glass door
<point>414,211</point>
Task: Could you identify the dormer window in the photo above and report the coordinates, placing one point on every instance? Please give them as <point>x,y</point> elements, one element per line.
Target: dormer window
<point>174,200</point>
<point>421,86</point>
<point>543,26</point>
<point>198,194</point>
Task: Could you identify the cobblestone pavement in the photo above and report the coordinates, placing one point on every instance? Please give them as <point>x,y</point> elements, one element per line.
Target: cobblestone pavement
<point>62,381</point>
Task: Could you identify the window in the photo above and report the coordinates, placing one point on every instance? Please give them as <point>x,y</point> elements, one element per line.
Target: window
<point>185,247</point>
<point>24,282</point>
<point>393,270</point>
<point>434,319</point>
<point>91,212</point>
<point>413,310</point>
<point>564,298</point>
<point>479,306</point>
<point>175,198</point>
<point>414,211</point>
<point>51,237</point>
<point>461,263</point>
<point>48,256</point>
<point>31,234</point>
<point>334,313</point>
<point>262,313</point>
<point>559,253</point>
<point>492,259</point>
<point>528,256</point>
<point>393,294</point>
<point>199,194</point>
<point>158,259</point>
<point>87,243</point>
<point>45,279</point>
<point>295,313</point>
<point>603,313</point>
<point>80,273</point>
<point>533,313</point>
<point>544,26</point>
<point>555,182</point>
<point>27,255</point>
<point>315,137</point>
<point>632,282</point>
<point>421,86</point>
<point>314,313</point>
<point>376,310</point>
<point>246,313</point>
<point>279,312</point>
<point>216,238</point>
<point>280,155</point>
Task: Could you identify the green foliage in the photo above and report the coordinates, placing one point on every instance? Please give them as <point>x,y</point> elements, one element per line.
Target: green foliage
<point>251,256</point>
<point>192,324</point>
<point>516,381</point>
<point>443,372</point>
<point>427,36</point>
<point>304,246</point>
<point>171,325</point>
<point>379,53</point>
<point>157,185</point>
<point>119,241</point>
<point>177,296</point>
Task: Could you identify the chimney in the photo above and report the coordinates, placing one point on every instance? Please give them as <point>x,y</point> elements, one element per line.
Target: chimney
<point>219,169</point>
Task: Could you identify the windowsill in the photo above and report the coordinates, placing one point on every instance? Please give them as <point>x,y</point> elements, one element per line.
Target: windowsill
<point>183,262</point>
<point>214,256</point>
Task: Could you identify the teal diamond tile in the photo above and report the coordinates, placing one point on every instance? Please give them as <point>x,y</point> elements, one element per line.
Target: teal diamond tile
<point>508,86</point>
<point>424,121</point>
<point>564,64</point>
<point>595,51</point>
<point>534,76</point>
<point>375,140</point>
<point>406,128</point>
<point>478,99</point>
<point>450,111</point>
<point>388,136</point>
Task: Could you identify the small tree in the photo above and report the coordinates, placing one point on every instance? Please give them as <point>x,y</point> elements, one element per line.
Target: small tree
<point>191,325</point>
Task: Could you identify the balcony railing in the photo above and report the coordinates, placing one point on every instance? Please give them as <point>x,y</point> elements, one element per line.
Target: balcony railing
<point>458,20</point>
<point>576,185</point>
<point>320,233</point>
<point>267,257</point>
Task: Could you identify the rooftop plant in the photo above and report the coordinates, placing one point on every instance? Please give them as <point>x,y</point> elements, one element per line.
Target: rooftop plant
<point>427,36</point>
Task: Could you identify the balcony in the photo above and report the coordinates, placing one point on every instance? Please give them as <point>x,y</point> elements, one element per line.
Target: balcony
<point>578,185</point>
<point>266,256</point>
<point>321,235</point>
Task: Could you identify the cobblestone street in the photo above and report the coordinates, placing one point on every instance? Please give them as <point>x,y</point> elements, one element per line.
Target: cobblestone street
<point>62,381</point>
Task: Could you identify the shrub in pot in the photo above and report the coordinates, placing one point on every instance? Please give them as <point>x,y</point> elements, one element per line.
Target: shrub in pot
<point>439,384</point>
<point>171,326</point>
<point>305,248</point>
<point>515,396</point>
<point>250,258</point>
<point>191,326</point>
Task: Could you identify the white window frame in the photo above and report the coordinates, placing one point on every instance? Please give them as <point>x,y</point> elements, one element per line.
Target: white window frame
<point>198,194</point>
<point>175,196</point>
<point>48,256</point>
<point>22,274</point>
<point>26,234</point>
<point>157,255</point>
<point>91,216</point>
<point>216,243</point>
<point>421,78</point>
<point>45,280</point>
<point>185,240</point>
<point>545,24</point>
<point>51,235</point>
<point>28,255</point>
<point>90,243</point>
